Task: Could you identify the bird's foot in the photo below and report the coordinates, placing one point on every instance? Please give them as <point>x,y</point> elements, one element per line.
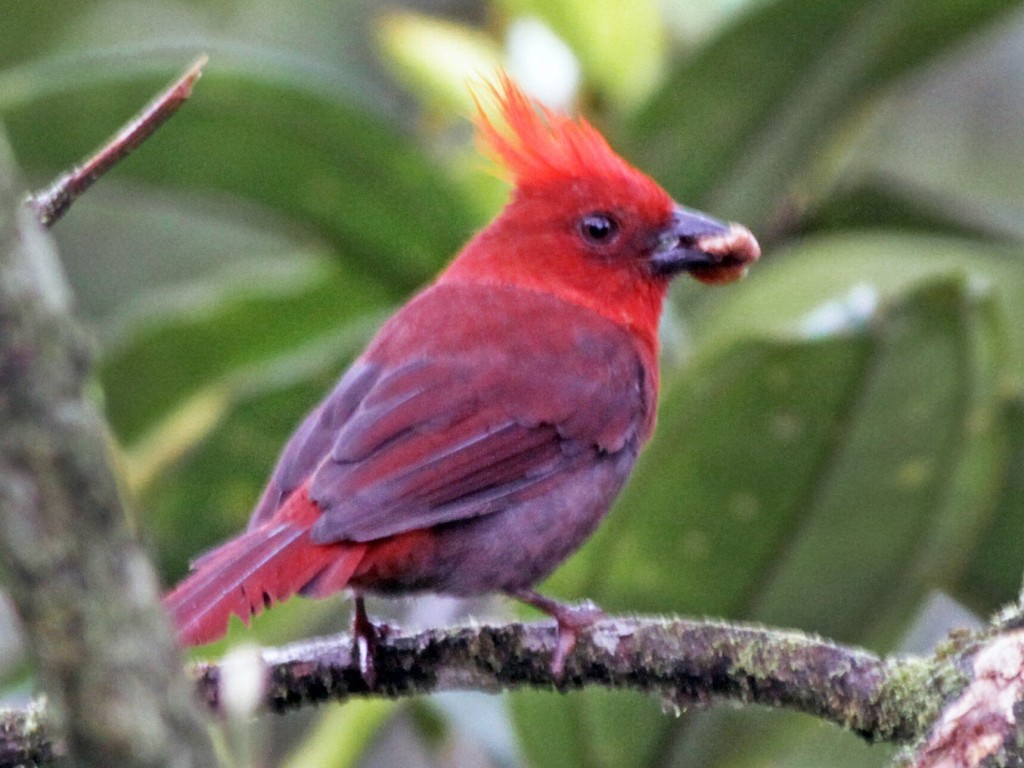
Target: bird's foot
<point>571,620</point>
<point>367,638</point>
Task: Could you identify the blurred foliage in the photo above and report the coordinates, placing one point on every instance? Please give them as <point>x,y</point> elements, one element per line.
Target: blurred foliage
<point>841,434</point>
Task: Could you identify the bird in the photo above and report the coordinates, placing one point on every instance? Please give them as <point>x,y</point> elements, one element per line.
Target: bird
<point>490,423</point>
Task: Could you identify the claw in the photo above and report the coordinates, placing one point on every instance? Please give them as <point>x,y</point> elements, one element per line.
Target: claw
<point>368,637</point>
<point>571,619</point>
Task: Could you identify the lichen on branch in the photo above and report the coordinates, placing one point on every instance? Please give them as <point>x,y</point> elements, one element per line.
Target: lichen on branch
<point>77,575</point>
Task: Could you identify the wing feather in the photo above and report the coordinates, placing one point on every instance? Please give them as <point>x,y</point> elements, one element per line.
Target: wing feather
<point>455,412</point>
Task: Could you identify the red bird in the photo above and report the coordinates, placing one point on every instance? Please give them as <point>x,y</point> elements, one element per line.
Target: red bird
<point>487,428</point>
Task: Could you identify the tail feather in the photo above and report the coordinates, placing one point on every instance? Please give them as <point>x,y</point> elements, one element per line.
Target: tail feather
<point>262,566</point>
<point>335,576</point>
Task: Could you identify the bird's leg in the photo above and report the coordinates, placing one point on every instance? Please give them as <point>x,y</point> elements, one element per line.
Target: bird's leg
<point>571,619</point>
<point>367,637</point>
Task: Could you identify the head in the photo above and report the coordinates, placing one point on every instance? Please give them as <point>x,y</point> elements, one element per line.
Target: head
<point>586,225</point>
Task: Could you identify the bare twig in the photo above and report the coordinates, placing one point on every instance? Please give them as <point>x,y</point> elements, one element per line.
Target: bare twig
<point>51,203</point>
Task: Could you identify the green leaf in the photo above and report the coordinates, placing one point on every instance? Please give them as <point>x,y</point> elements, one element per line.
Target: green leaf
<point>170,357</point>
<point>785,290</point>
<point>137,255</point>
<point>878,502</point>
<point>941,144</point>
<point>885,205</point>
<point>738,442</point>
<point>736,125</point>
<point>995,573</point>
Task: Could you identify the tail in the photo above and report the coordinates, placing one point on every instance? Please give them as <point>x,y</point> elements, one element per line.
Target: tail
<point>262,566</point>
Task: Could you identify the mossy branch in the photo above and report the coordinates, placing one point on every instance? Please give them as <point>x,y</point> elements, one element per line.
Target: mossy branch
<point>81,582</point>
<point>27,738</point>
<point>686,663</point>
<point>941,703</point>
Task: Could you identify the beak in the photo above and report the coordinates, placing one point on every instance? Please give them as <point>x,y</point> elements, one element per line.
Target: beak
<point>710,250</point>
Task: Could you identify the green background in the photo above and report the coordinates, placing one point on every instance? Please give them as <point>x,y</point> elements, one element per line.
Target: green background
<point>841,437</point>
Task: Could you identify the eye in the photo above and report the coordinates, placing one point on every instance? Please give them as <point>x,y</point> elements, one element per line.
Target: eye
<point>599,228</point>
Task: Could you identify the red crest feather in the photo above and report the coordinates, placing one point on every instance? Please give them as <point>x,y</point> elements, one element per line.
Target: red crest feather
<point>538,145</point>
